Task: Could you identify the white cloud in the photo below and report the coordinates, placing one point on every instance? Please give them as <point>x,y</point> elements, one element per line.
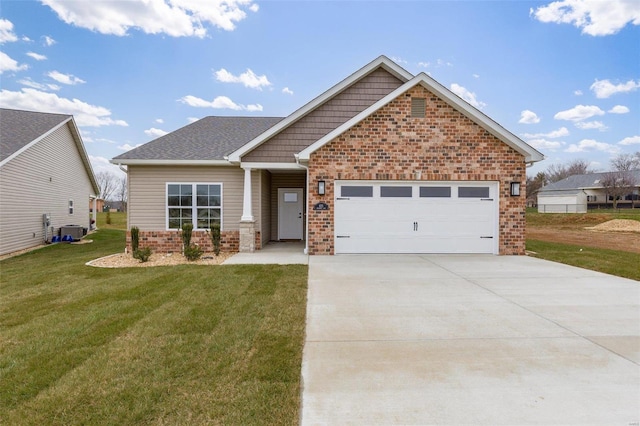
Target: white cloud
<point>65,78</point>
<point>591,125</point>
<point>398,60</point>
<point>604,88</point>
<point>619,109</point>
<point>632,140</point>
<point>579,113</point>
<point>48,41</point>
<point>159,120</point>
<point>220,102</point>
<point>562,131</point>
<point>176,18</point>
<point>528,117</point>
<point>578,92</point>
<point>593,17</point>
<point>40,86</point>
<point>127,147</point>
<point>467,95</point>
<point>476,75</point>
<point>545,144</point>
<point>587,145</point>
<point>424,64</point>
<point>155,132</point>
<point>102,164</point>
<point>248,79</point>
<point>192,119</point>
<point>7,63</point>
<point>6,32</point>
<point>287,91</point>
<point>34,100</point>
<point>37,56</point>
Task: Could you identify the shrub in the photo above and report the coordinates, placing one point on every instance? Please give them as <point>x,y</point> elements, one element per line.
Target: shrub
<point>187,229</point>
<point>192,252</point>
<point>108,218</point>
<point>142,255</point>
<point>215,237</point>
<point>135,238</point>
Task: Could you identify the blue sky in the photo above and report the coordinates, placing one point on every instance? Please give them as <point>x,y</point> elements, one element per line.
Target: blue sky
<point>564,76</point>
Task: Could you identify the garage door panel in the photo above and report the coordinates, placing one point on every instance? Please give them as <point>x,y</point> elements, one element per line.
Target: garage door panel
<point>419,224</point>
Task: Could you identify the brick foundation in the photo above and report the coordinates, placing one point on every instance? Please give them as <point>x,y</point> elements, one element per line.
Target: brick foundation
<point>444,145</point>
<point>171,241</point>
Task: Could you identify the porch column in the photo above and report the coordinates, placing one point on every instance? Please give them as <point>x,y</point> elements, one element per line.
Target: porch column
<point>247,222</point>
<point>95,213</point>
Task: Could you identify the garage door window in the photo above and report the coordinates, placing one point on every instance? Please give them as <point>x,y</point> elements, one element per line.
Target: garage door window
<point>435,191</point>
<point>356,191</point>
<point>473,192</point>
<point>396,191</point>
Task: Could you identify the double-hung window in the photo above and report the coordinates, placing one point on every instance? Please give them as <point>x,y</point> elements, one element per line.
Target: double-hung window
<point>197,203</point>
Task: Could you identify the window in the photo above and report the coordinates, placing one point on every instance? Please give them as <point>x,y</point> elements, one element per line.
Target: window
<point>396,191</point>
<point>592,198</point>
<point>70,206</point>
<point>196,203</point>
<point>356,191</point>
<point>473,192</point>
<point>435,191</point>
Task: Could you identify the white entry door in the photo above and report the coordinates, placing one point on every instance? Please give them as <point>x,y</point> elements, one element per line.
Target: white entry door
<point>290,214</point>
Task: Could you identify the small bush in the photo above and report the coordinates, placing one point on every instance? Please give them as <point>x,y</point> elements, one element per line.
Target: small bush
<point>135,238</point>
<point>192,252</point>
<point>187,229</point>
<point>215,237</point>
<point>108,218</point>
<point>142,255</point>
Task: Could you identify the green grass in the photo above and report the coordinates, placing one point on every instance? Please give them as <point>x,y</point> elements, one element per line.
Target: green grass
<point>614,262</point>
<point>165,345</point>
<point>592,217</point>
<point>118,220</point>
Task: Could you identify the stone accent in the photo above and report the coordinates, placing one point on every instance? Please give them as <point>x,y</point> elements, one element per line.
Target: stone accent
<point>171,241</point>
<point>444,145</point>
<point>247,236</point>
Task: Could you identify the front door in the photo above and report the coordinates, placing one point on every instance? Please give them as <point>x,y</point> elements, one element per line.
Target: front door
<point>290,214</point>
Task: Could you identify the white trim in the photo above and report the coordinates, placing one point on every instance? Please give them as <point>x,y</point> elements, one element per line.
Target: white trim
<point>33,142</point>
<point>194,207</point>
<point>247,201</point>
<point>274,166</point>
<point>381,61</point>
<point>531,154</point>
<point>139,162</point>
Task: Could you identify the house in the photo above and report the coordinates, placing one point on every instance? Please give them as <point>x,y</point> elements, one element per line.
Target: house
<point>382,162</point>
<point>44,172</point>
<point>578,193</point>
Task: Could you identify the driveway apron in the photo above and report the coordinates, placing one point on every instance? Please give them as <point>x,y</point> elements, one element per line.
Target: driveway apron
<point>468,339</point>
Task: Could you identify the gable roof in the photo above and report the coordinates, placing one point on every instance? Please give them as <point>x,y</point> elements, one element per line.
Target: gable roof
<point>380,62</point>
<point>20,130</point>
<point>205,141</point>
<point>586,181</point>
<point>531,155</point>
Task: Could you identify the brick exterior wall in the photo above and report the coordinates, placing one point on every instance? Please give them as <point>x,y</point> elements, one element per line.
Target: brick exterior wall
<point>171,241</point>
<point>443,146</point>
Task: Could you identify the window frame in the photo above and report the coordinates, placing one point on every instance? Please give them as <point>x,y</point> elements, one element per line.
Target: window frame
<point>194,204</point>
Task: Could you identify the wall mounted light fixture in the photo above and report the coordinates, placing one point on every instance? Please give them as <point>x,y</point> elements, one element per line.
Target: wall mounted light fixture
<point>321,187</point>
<point>515,189</point>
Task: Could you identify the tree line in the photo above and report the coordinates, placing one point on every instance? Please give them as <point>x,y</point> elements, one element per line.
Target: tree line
<point>113,188</point>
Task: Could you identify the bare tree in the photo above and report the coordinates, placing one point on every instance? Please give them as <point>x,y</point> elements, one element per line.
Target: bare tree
<point>626,162</point>
<point>557,172</point>
<point>122,193</point>
<point>534,184</point>
<point>107,182</point>
<point>617,184</point>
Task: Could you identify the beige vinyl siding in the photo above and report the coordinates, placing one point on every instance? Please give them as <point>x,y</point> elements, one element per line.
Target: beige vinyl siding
<point>325,118</point>
<point>43,179</point>
<point>265,207</point>
<point>284,180</point>
<point>147,193</point>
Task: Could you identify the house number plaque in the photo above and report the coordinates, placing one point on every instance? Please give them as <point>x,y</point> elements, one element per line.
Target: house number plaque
<point>321,206</point>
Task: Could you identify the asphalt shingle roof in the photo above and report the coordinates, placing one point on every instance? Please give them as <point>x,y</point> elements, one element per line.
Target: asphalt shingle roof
<point>591,180</point>
<point>20,128</point>
<point>210,138</point>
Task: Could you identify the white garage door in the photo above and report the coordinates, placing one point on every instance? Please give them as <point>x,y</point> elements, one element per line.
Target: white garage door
<point>416,217</point>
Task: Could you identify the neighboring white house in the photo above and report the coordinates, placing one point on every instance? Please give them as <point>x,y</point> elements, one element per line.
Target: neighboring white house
<point>577,193</point>
<point>44,170</point>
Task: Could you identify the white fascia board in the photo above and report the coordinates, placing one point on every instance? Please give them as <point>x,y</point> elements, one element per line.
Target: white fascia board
<point>531,155</point>
<point>382,61</point>
<point>33,142</point>
<point>83,153</point>
<point>273,166</point>
<point>139,162</point>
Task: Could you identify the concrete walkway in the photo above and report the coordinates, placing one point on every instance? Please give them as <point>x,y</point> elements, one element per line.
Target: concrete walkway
<point>465,339</point>
<point>276,253</point>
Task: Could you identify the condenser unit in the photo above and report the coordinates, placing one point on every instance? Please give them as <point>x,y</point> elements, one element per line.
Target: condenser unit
<point>75,231</point>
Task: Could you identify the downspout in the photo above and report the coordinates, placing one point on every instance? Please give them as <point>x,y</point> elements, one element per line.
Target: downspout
<point>126,172</point>
<point>306,207</point>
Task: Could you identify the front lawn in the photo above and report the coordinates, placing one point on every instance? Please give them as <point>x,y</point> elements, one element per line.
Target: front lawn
<point>167,345</point>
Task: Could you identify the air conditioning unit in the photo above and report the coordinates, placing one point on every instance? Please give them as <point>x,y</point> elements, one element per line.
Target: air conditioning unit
<point>75,231</point>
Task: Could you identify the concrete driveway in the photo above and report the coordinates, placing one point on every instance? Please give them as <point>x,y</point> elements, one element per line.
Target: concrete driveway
<point>468,339</point>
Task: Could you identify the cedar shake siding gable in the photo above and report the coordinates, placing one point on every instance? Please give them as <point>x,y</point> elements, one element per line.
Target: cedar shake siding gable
<point>314,125</point>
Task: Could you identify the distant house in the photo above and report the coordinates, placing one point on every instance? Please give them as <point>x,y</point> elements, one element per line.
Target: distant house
<point>382,162</point>
<point>578,193</point>
<point>44,170</point>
